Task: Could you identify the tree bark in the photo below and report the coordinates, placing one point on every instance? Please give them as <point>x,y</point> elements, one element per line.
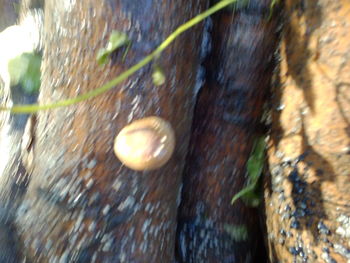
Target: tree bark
<point>307,191</point>
<point>82,204</point>
<point>13,176</point>
<point>227,121</point>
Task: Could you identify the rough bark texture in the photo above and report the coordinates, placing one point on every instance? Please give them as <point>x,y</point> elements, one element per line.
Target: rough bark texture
<point>81,204</point>
<point>307,193</point>
<point>227,118</point>
<point>13,177</point>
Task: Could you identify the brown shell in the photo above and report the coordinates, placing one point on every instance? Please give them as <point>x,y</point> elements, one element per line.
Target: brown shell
<point>145,144</point>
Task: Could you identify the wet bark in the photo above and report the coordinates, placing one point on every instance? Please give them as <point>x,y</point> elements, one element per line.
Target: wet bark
<point>227,120</point>
<point>307,191</point>
<point>82,204</point>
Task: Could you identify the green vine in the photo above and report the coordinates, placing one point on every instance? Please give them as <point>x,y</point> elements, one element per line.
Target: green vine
<point>33,108</point>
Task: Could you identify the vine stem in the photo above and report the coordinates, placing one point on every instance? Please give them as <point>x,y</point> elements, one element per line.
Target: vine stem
<point>32,108</point>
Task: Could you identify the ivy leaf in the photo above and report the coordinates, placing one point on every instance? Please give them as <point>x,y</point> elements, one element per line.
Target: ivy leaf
<point>25,70</point>
<point>252,198</point>
<point>255,166</point>
<point>158,76</point>
<point>272,6</point>
<point>116,40</point>
<point>238,233</point>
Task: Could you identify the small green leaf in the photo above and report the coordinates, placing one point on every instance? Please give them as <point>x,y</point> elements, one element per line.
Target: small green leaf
<point>158,76</point>
<point>272,5</point>
<point>116,40</point>
<point>238,233</point>
<point>25,70</point>
<point>251,198</point>
<point>17,68</point>
<point>255,166</point>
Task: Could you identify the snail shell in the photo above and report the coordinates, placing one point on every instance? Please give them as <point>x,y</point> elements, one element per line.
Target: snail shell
<point>145,144</point>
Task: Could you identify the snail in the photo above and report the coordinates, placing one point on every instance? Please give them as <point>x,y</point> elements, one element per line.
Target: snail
<point>145,144</point>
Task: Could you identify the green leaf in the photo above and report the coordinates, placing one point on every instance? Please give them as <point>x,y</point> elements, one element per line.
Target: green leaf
<point>116,40</point>
<point>272,5</point>
<point>252,198</point>
<point>33,108</point>
<point>255,166</point>
<point>238,233</point>
<point>158,76</point>
<point>25,70</point>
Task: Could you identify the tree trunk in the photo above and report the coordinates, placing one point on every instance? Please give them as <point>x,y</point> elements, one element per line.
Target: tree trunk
<point>307,192</point>
<point>66,198</point>
<point>238,78</point>
<point>82,204</point>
